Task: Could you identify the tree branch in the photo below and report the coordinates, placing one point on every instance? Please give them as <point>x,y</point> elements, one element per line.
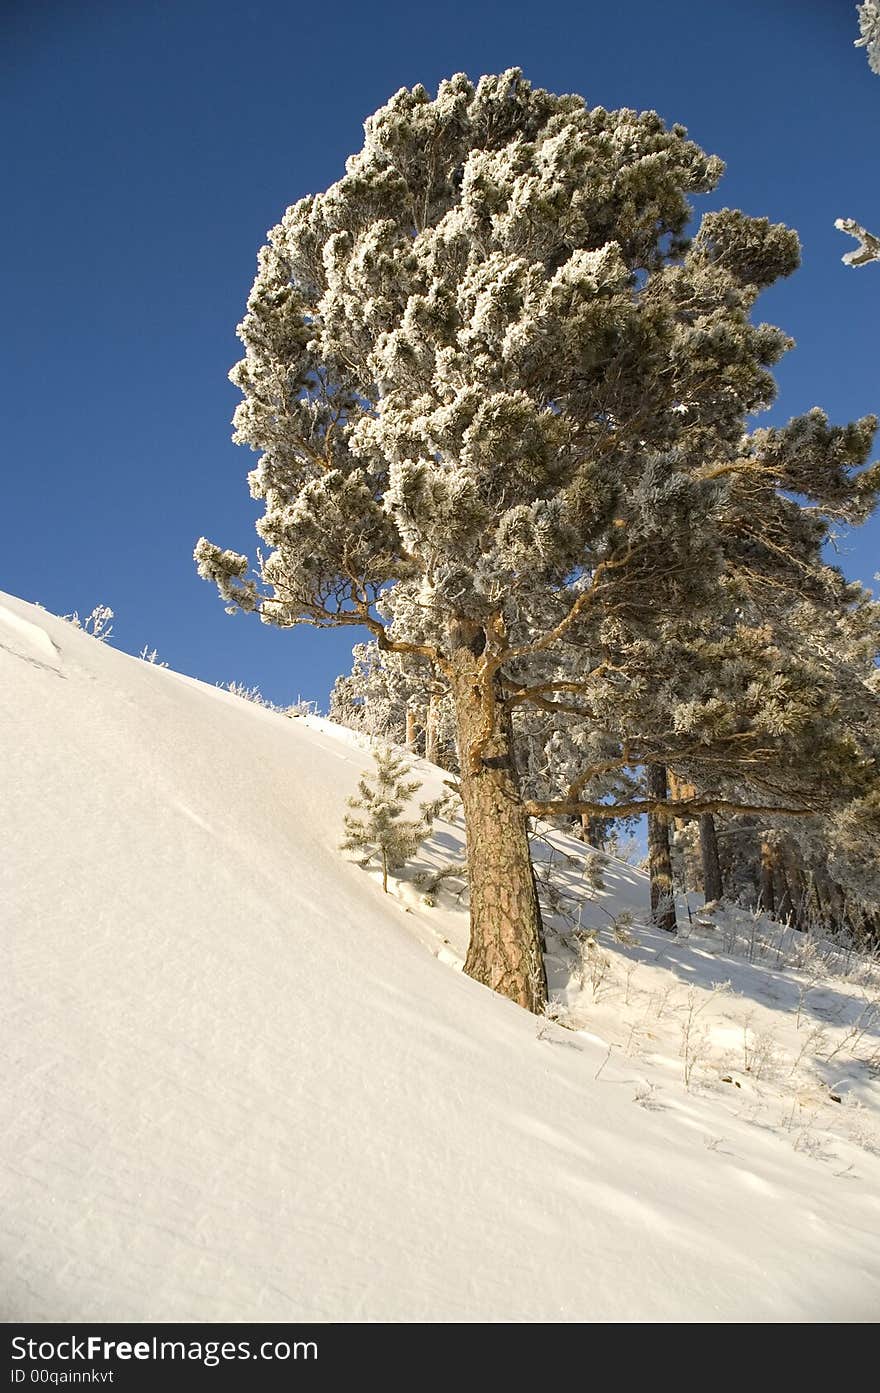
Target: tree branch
<point>583,599</point>
<point>688,807</point>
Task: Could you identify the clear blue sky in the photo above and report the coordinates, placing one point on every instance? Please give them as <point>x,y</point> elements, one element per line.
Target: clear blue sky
<point>148,147</point>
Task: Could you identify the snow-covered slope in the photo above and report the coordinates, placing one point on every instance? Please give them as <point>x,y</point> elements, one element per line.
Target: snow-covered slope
<point>242,1084</point>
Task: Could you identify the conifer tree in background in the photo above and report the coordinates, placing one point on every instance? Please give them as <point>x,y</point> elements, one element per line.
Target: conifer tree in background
<point>374,696</point>
<point>485,368</point>
<point>823,871</point>
<point>381,829</point>
<point>390,694</point>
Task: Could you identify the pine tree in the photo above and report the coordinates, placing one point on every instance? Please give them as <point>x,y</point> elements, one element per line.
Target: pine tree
<point>868,249</point>
<point>485,368</point>
<point>381,830</point>
<point>387,695</point>
<point>869,25</point>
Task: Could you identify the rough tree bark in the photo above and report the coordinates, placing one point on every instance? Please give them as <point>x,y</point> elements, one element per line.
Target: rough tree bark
<point>679,789</point>
<point>506,942</point>
<point>713,885</point>
<point>659,856</point>
<point>432,733</point>
<point>593,831</point>
<point>782,891</point>
<point>412,728</point>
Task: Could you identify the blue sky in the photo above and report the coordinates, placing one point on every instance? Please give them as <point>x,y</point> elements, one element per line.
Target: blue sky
<point>150,145</point>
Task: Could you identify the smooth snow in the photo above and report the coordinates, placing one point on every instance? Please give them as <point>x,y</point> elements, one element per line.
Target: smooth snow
<point>243,1084</point>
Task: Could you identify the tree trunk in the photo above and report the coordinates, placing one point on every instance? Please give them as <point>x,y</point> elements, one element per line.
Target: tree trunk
<point>412,727</point>
<point>384,870</point>
<point>679,789</point>
<point>797,885</point>
<point>432,733</point>
<point>831,899</point>
<point>782,890</point>
<point>506,942</point>
<point>593,831</point>
<point>659,857</point>
<point>766,898</point>
<point>713,886</point>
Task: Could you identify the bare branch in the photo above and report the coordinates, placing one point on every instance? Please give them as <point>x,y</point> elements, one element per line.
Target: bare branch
<point>688,807</point>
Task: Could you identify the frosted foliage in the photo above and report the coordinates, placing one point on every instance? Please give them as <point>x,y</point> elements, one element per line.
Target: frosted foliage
<point>428,346</point>
<point>869,26</point>
<point>499,401</point>
<point>376,826</point>
<point>869,245</point>
<point>485,347</point>
<point>382,689</point>
<point>99,623</point>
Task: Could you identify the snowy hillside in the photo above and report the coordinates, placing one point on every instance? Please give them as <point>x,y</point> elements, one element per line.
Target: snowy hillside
<point>243,1084</point>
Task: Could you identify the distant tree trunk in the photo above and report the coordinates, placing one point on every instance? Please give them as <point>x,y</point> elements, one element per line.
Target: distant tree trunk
<point>796,886</point>
<point>814,910</point>
<point>782,891</point>
<point>384,870</point>
<point>432,732</point>
<point>713,885</point>
<point>593,831</point>
<point>831,899</point>
<point>659,856</point>
<point>412,728</point>
<point>679,789</point>
<point>766,897</point>
<point>506,942</point>
<point>798,883</point>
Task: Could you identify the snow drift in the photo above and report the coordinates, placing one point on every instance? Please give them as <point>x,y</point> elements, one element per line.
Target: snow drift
<point>240,1087</point>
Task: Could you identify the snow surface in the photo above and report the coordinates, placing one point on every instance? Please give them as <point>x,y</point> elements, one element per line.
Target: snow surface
<point>243,1084</point>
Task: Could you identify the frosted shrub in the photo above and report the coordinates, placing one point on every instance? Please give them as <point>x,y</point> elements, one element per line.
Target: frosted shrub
<point>150,655</point>
<point>98,623</point>
<point>251,694</point>
<point>301,708</point>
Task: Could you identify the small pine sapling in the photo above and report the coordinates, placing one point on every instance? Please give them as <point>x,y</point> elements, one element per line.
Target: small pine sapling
<point>381,830</point>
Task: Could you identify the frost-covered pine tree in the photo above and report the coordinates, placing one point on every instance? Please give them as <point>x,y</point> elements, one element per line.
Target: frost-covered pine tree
<point>868,249</point>
<point>821,868</point>
<point>869,25</point>
<point>483,367</point>
<point>387,694</point>
<point>371,698</point>
<point>380,829</point>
